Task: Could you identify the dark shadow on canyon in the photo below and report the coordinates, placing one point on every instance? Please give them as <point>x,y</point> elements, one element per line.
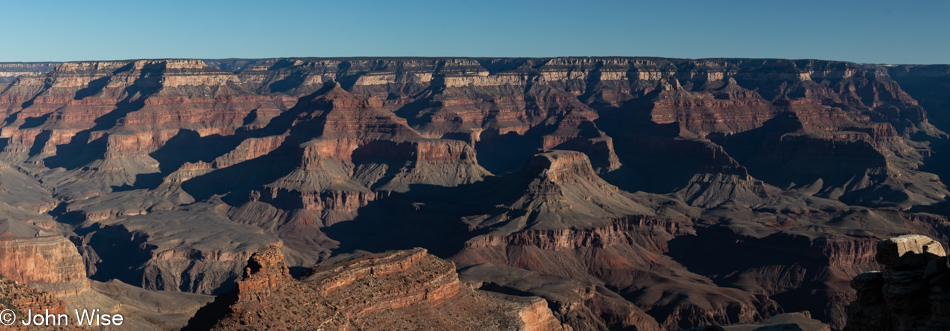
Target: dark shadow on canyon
<point>80,151</point>
<point>427,216</point>
<point>732,260</point>
<point>642,147</point>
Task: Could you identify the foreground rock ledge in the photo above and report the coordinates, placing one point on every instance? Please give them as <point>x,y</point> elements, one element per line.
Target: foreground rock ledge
<point>405,290</point>
<point>912,293</point>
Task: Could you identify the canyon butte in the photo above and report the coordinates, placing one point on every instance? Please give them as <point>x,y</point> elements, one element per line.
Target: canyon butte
<point>572,193</point>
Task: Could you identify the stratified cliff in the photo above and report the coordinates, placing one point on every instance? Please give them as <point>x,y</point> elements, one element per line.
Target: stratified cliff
<point>910,293</point>
<point>49,263</point>
<point>393,290</point>
<point>10,71</point>
<point>43,270</point>
<point>650,193</point>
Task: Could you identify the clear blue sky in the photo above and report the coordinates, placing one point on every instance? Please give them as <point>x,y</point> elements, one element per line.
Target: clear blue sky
<point>860,31</point>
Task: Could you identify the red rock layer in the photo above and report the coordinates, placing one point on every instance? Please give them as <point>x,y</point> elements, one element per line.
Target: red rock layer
<point>48,263</point>
<point>404,289</point>
<point>22,299</point>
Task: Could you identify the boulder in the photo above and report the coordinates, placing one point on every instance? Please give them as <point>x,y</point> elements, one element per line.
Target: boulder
<point>911,250</point>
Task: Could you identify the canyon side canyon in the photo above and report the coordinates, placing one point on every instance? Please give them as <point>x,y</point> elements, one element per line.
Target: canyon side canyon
<point>579,193</point>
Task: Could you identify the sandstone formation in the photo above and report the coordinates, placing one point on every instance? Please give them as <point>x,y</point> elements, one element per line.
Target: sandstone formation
<point>48,263</point>
<point>393,290</point>
<point>622,181</point>
<point>909,294</point>
<point>47,272</point>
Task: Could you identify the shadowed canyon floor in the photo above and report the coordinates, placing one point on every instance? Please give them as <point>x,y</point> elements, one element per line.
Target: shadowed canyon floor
<point>586,193</point>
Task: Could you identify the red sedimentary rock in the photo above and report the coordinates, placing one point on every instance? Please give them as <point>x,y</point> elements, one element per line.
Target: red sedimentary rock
<point>401,289</point>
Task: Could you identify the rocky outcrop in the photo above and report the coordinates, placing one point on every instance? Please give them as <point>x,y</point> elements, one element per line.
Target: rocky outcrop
<point>557,190</point>
<point>49,263</point>
<point>22,299</point>
<point>403,289</point>
<point>622,257</point>
<point>910,294</point>
<point>580,305</point>
<point>45,271</point>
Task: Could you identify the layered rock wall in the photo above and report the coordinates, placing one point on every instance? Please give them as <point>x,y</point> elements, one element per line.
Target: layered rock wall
<point>382,291</point>
<point>51,264</point>
<point>910,294</point>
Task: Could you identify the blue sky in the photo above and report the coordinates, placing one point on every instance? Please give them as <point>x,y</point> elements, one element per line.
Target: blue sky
<point>860,31</point>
